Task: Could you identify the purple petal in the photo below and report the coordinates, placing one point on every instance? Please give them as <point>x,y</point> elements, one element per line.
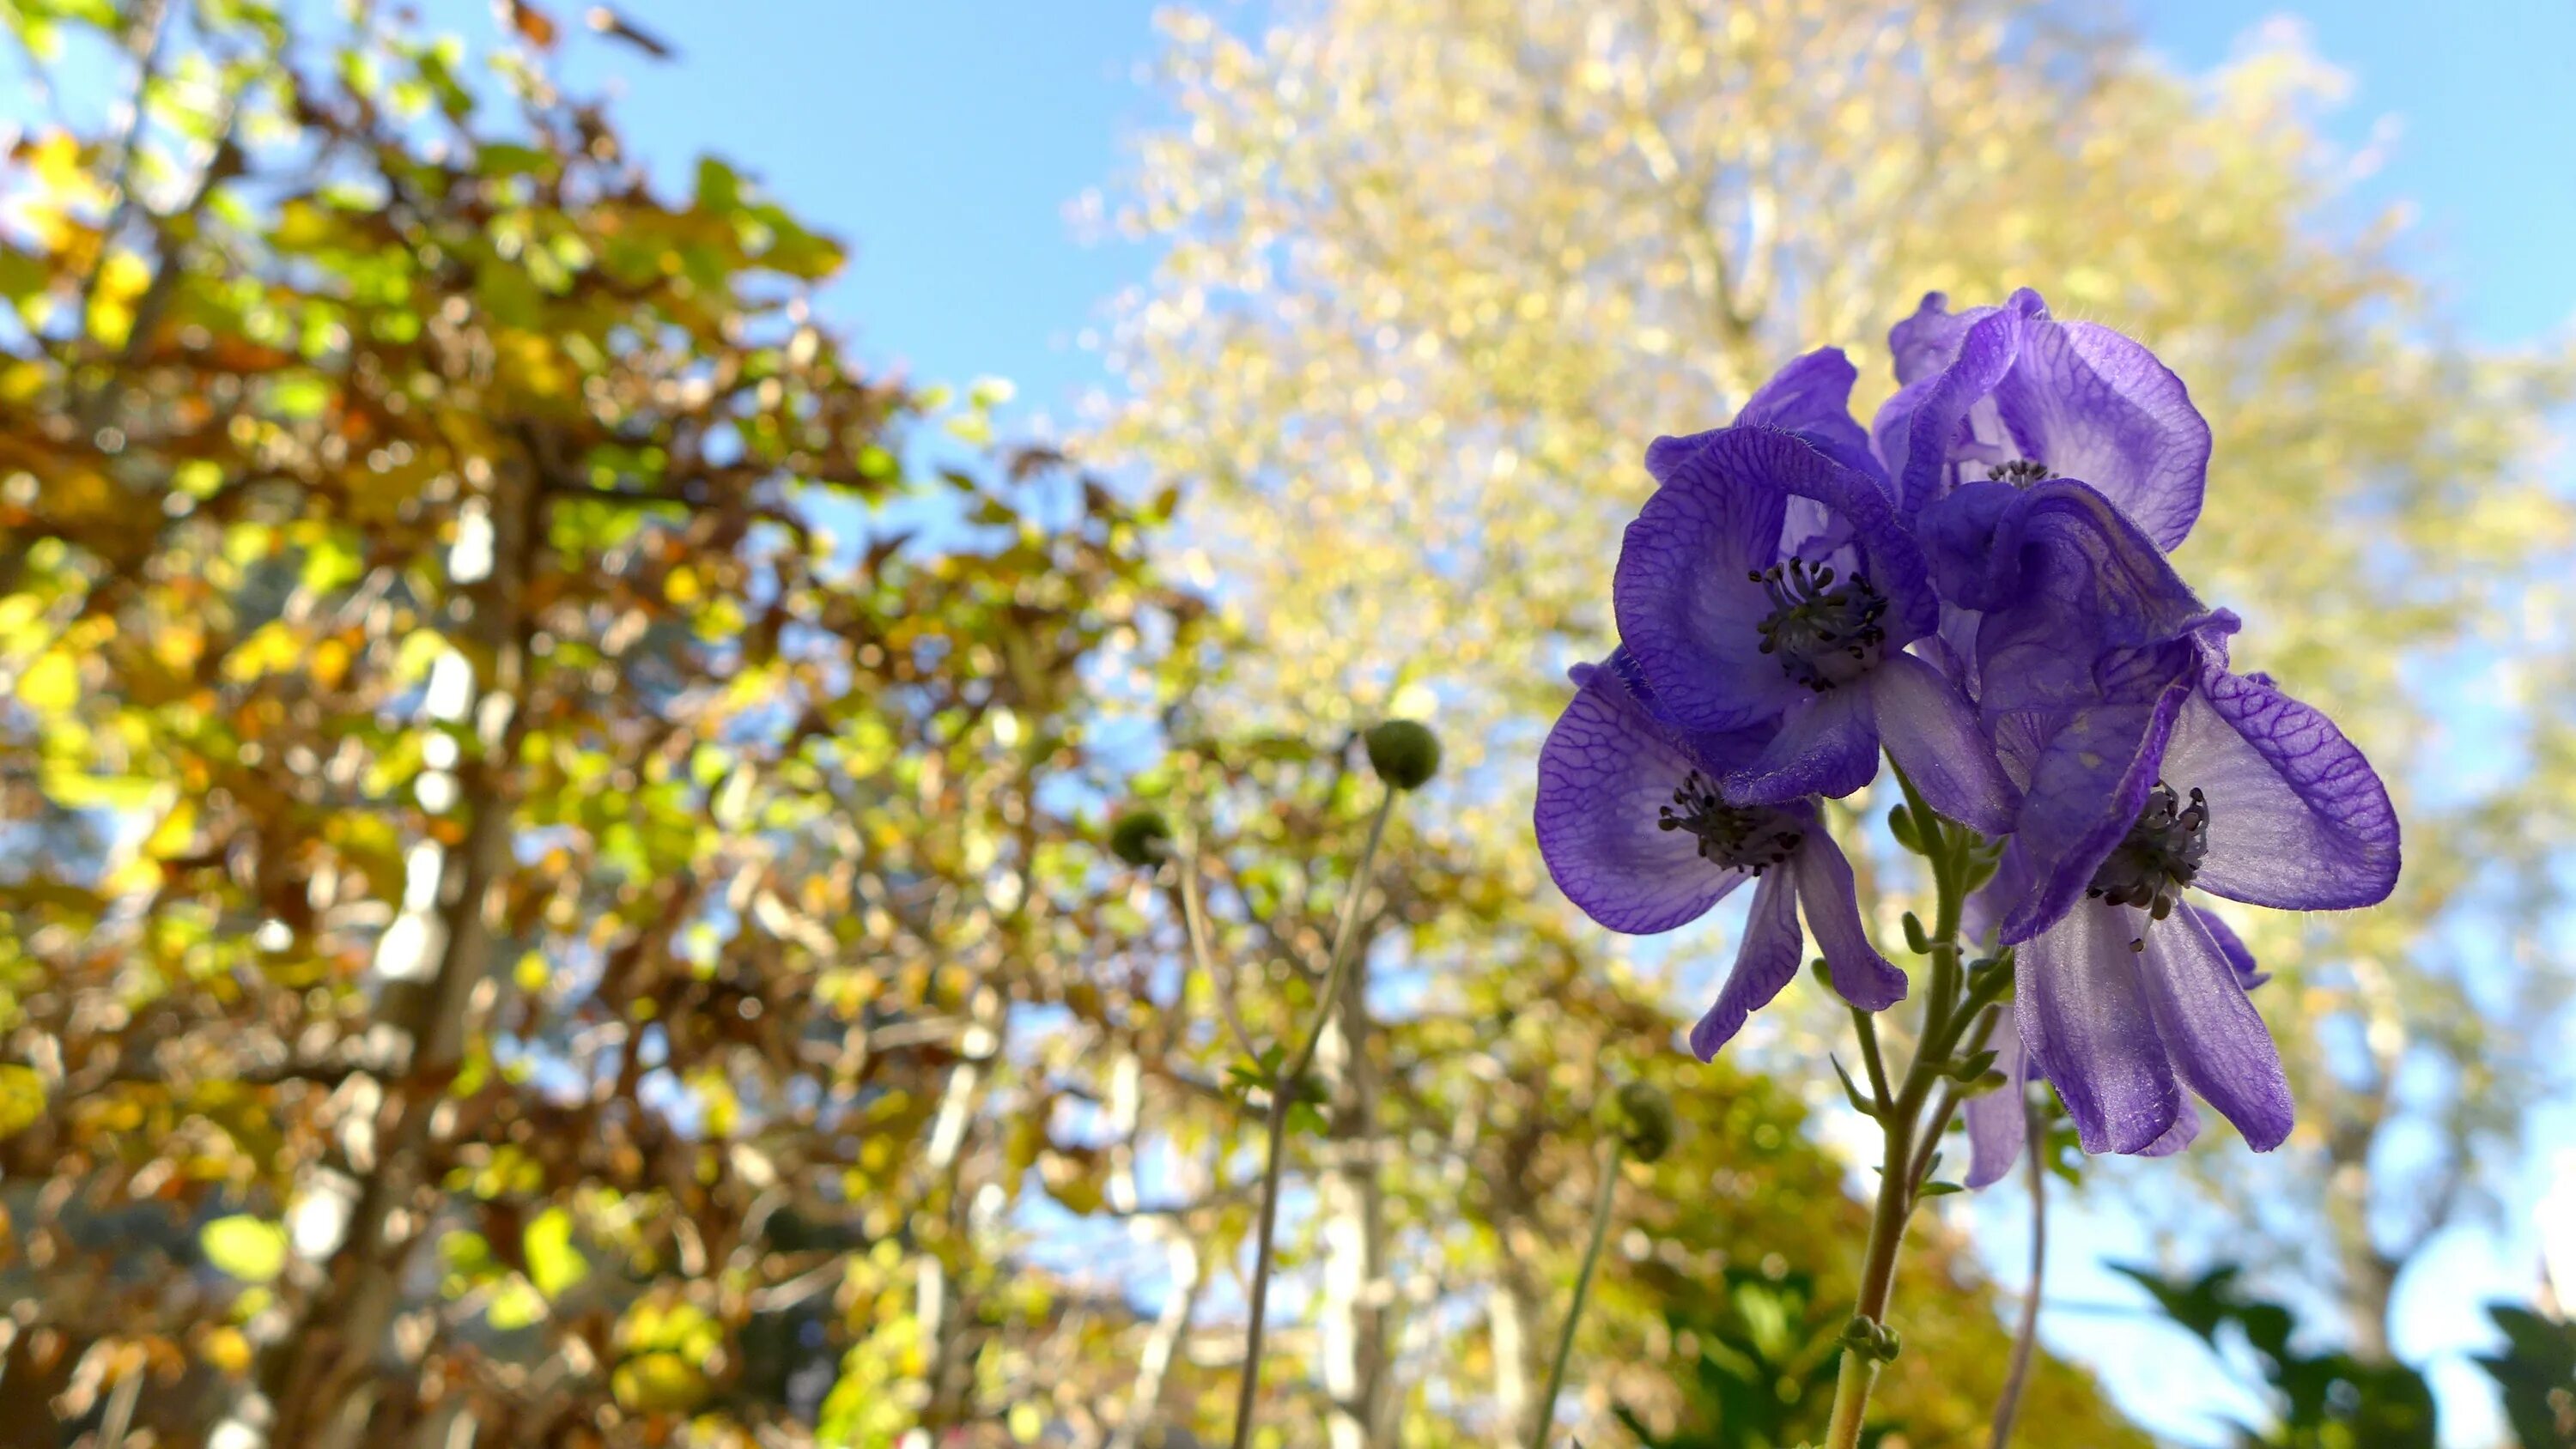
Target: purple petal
<point>2297,818</point>
<point>2091,404</point>
<point>2089,1029</point>
<point>1827,745</point>
<point>1971,542</point>
<point>1603,777</point>
<point>1811,397</point>
<point>1860,509</point>
<point>2217,1039</point>
<point>2057,550</point>
<point>1931,732</point>
<point>1926,342</point>
<point>1764,962</point>
<point>1860,975</point>
<point>1954,416</point>
<point>2185,1130</point>
<point>2089,781</point>
<point>2230,945</point>
<point>1997,1121</point>
<point>1688,612</point>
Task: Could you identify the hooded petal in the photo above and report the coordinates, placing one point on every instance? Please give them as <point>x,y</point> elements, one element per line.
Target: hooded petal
<point>2057,550</point>
<point>1604,775</point>
<point>1689,613</point>
<point>1811,397</point>
<point>1827,745</point>
<point>1931,732</point>
<point>1861,976</point>
<point>2298,819</point>
<point>1998,1121</point>
<point>2218,1041</point>
<point>2090,778</point>
<point>2087,1024</point>
<point>1925,343</point>
<point>1764,962</point>
<point>1953,419</point>
<point>2092,404</point>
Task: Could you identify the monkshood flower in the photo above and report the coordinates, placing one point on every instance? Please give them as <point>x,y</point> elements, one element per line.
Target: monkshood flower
<point>1994,1121</point>
<point>2010,394</point>
<point>2151,769</point>
<point>1638,832</point>
<point>1741,610</point>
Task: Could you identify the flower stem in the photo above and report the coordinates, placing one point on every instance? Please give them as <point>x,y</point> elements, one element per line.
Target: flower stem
<point>1582,1287</point>
<point>1283,1095</point>
<point>1950,1009</point>
<point>2026,1334</point>
<point>1194,917</point>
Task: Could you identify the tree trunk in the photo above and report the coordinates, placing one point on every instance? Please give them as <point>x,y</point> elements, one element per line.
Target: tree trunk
<point>310,1377</point>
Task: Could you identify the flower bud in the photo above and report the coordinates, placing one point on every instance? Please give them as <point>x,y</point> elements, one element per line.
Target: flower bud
<point>1645,1121</point>
<point>1405,754</point>
<point>1140,838</point>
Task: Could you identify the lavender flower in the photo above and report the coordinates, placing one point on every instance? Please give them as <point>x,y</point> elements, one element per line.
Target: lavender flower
<point>1637,831</point>
<point>1769,579</point>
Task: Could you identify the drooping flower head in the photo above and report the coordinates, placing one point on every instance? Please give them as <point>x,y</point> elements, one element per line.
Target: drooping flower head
<point>1770,580</point>
<point>1637,830</point>
<point>2150,771</point>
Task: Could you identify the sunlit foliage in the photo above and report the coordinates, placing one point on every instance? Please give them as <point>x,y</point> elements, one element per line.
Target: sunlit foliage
<point>1435,271</point>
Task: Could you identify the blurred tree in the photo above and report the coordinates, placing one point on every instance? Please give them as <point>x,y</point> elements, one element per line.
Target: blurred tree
<point>553,891</point>
<point>1435,270</point>
<point>2536,1369</point>
<point>2318,1400</point>
<point>500,903</point>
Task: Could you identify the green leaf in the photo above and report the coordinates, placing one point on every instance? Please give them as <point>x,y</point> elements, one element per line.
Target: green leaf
<point>22,1098</point>
<point>554,1264</point>
<point>1860,1104</point>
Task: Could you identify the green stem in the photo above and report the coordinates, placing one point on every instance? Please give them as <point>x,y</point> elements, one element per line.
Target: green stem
<point>1582,1287</point>
<point>1948,1010</point>
<point>1867,1027</point>
<point>1283,1094</point>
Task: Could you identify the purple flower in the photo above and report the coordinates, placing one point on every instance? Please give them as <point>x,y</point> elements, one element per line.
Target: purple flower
<point>1994,1121</point>
<point>2008,393</point>
<point>2147,767</point>
<point>2186,776</point>
<point>1742,611</point>
<point>1638,832</point>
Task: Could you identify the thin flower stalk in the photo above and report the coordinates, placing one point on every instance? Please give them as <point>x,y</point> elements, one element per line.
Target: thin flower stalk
<point>1283,1095</point>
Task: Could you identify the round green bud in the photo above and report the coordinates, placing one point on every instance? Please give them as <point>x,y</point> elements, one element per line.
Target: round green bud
<point>1645,1121</point>
<point>1140,838</point>
<point>1405,754</point>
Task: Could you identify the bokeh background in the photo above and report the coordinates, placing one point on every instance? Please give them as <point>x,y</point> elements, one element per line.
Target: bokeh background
<point>579,587</point>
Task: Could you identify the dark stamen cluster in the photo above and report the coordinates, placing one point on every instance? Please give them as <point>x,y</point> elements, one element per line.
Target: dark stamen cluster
<point>1750,838</point>
<point>2020,472</point>
<point>1825,634</point>
<point>2159,856</point>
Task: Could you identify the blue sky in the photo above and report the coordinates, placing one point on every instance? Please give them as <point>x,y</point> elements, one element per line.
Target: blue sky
<point>947,140</point>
